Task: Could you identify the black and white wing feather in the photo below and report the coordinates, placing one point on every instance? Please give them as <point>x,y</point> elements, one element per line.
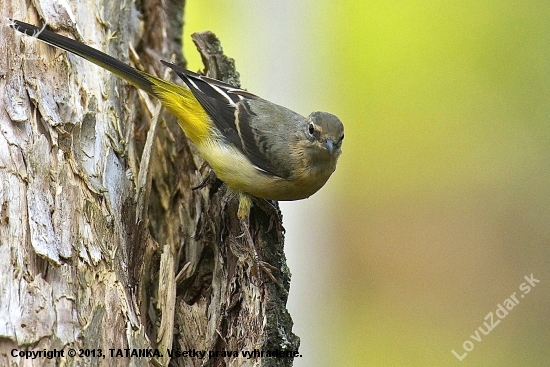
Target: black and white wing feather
<point>230,110</point>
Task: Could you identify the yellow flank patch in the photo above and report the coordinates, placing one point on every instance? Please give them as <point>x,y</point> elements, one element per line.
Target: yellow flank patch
<point>179,100</point>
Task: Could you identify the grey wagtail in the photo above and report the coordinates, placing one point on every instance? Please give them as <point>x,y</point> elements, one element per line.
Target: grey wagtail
<point>256,147</point>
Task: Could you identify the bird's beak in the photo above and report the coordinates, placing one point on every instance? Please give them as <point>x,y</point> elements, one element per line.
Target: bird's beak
<point>330,145</point>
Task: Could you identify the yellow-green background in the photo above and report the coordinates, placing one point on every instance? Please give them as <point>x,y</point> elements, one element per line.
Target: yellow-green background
<point>441,201</point>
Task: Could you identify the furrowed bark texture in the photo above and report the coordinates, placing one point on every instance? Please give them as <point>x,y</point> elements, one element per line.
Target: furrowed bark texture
<point>104,243</point>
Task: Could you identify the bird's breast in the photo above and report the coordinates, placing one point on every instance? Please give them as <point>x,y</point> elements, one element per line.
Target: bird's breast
<point>232,167</point>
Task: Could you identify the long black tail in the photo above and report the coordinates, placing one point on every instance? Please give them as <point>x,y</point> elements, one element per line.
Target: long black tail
<point>135,77</point>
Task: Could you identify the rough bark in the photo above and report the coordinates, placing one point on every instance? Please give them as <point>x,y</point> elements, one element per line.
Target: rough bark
<point>105,244</point>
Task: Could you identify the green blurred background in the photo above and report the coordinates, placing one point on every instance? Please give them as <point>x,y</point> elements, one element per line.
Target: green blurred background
<point>440,204</point>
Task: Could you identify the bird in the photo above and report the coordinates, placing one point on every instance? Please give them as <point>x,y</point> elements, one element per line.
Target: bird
<point>256,147</point>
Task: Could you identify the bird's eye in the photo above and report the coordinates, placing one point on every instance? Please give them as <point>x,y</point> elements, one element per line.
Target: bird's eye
<point>311,128</point>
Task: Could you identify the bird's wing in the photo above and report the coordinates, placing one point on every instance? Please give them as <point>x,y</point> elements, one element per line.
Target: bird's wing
<point>230,110</point>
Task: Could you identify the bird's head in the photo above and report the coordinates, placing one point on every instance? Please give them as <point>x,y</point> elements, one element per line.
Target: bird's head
<point>326,132</point>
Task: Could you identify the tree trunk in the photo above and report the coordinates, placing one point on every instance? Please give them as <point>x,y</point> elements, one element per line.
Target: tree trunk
<point>107,249</point>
